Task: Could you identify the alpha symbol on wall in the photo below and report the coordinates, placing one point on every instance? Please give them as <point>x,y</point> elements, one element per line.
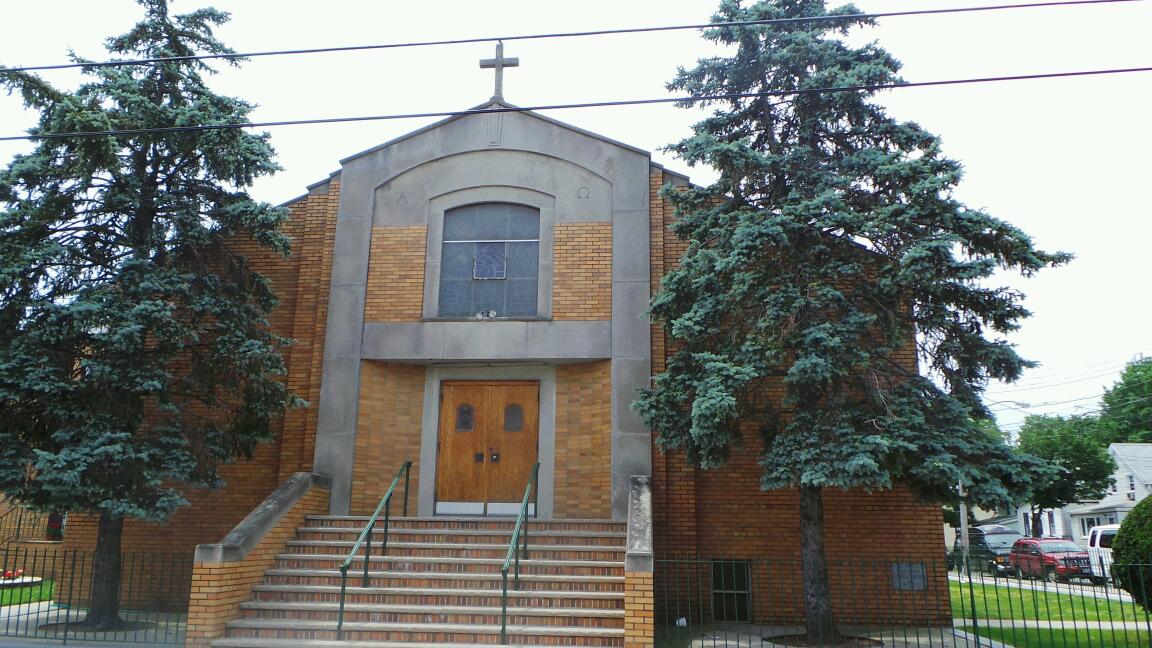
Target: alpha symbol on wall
<point>402,200</point>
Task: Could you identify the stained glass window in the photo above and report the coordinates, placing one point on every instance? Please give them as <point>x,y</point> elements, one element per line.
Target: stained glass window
<point>513,418</point>
<point>465,418</point>
<point>490,261</point>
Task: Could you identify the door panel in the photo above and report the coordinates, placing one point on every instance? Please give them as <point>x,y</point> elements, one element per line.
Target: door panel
<point>513,436</point>
<point>459,476</point>
<point>488,438</point>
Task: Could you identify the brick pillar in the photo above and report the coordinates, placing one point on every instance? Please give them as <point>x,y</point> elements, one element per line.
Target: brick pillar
<point>639,610</point>
<point>639,605</point>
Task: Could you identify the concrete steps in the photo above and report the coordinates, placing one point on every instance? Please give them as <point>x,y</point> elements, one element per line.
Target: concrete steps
<point>497,537</point>
<point>440,583</point>
<point>460,549</point>
<point>433,597</point>
<point>438,564</point>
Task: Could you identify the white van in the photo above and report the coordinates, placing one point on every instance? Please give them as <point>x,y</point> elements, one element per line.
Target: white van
<point>1100,550</point>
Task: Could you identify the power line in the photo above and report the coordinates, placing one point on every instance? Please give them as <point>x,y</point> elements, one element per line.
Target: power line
<point>1133,401</point>
<point>1034,387</point>
<point>600,104</point>
<point>1063,402</point>
<point>601,32</point>
<point>1046,372</point>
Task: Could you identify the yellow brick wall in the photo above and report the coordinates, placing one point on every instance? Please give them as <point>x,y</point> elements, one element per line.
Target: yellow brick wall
<point>396,274</point>
<point>582,272</point>
<point>639,610</point>
<point>387,434</point>
<point>584,441</point>
<point>313,234</point>
<point>218,589</point>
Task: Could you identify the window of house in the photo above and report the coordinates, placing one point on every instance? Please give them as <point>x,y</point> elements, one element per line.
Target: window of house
<point>1051,523</point>
<point>1087,523</point>
<point>490,261</point>
<point>731,590</point>
<point>1131,483</point>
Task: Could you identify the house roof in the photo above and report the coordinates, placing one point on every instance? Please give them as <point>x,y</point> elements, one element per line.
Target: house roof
<point>1095,507</point>
<point>1136,458</point>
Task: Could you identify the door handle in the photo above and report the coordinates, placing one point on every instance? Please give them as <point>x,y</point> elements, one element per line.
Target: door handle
<point>495,456</point>
<point>479,457</point>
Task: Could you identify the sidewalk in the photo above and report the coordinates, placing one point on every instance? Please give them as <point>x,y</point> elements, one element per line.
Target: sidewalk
<point>1076,589</point>
<point>26,621</point>
<point>14,642</point>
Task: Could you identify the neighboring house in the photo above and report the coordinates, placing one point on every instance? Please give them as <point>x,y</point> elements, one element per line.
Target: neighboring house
<point>1131,483</point>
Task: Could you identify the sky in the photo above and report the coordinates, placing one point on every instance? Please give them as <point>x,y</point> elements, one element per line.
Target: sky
<point>1066,160</point>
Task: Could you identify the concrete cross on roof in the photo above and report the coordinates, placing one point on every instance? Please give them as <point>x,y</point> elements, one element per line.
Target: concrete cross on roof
<point>499,63</point>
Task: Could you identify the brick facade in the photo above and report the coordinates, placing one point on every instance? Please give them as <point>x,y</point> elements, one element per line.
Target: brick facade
<point>639,610</point>
<point>396,274</point>
<point>583,441</point>
<point>582,279</point>
<point>387,433</point>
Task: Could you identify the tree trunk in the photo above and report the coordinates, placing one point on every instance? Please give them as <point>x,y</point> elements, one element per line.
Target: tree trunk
<point>104,606</point>
<point>1037,523</point>
<point>814,569</point>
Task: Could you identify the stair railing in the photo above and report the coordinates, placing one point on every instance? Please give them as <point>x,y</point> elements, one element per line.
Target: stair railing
<point>365,539</point>
<point>515,550</point>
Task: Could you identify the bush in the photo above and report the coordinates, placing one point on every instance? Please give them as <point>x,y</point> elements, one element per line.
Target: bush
<point>1132,554</point>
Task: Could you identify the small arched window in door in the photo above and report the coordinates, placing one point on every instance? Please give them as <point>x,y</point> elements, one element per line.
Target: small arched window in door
<point>465,418</point>
<point>513,418</point>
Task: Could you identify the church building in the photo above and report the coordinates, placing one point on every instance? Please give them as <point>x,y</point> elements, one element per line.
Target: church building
<point>471,297</point>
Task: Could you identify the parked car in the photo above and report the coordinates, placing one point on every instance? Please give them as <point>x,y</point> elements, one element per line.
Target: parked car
<point>1053,559</point>
<point>1100,550</point>
<point>988,547</point>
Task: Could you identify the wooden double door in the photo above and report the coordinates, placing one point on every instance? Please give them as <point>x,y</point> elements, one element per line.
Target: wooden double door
<point>487,443</point>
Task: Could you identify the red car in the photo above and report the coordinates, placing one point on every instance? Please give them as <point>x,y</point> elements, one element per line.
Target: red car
<point>1053,559</point>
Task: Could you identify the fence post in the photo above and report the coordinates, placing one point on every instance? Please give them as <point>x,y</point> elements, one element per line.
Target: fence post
<point>972,601</point>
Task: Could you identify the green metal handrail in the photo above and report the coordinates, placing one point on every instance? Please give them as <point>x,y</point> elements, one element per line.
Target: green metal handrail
<point>512,546</point>
<point>366,536</point>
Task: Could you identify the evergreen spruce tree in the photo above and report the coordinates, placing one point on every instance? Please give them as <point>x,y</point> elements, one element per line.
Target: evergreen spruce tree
<point>134,350</point>
<point>829,250</point>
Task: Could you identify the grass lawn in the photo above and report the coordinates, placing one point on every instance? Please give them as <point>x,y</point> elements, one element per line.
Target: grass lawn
<point>1001,602</point>
<point>41,591</point>
<point>1033,638</point>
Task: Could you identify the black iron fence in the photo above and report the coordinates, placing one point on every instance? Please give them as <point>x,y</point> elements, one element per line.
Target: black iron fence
<point>707,603</point>
<point>20,523</point>
<point>45,593</point>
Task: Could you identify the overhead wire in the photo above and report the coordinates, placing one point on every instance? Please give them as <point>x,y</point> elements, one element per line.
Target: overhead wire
<point>574,34</point>
<point>1034,387</point>
<point>598,104</point>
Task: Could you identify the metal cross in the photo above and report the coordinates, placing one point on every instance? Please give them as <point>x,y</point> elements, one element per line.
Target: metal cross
<point>499,63</point>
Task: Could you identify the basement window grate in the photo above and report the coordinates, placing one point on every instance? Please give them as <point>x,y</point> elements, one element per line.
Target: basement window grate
<point>731,591</point>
